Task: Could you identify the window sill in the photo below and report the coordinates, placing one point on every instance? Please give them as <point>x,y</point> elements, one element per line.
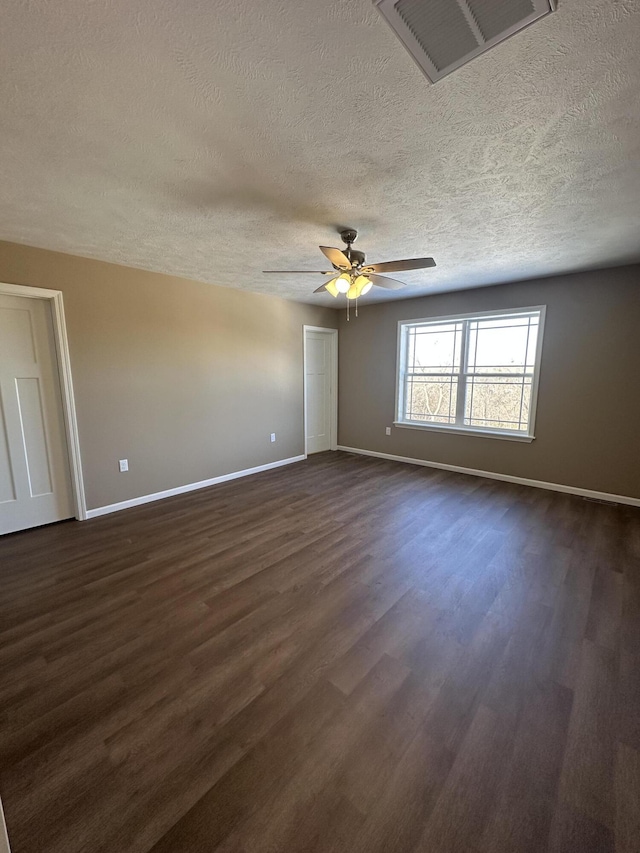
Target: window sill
<point>480,433</point>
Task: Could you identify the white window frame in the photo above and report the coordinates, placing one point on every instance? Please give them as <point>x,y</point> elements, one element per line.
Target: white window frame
<point>460,428</point>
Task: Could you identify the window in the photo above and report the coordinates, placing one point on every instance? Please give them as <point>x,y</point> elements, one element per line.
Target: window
<point>477,373</point>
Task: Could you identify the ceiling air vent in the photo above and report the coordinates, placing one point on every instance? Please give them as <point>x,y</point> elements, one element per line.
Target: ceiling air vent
<point>442,35</point>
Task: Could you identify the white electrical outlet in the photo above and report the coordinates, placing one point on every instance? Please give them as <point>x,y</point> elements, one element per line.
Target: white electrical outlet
<point>273,436</point>
<point>124,465</point>
<point>388,430</point>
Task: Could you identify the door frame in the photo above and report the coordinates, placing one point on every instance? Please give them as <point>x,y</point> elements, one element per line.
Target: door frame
<point>4,838</point>
<point>333,333</point>
<point>54,298</point>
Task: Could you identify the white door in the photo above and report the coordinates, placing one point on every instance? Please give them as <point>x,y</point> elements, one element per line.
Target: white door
<point>319,372</point>
<point>35,485</point>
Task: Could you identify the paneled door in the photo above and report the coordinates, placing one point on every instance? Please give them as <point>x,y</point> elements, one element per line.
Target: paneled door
<point>35,486</point>
<point>320,371</point>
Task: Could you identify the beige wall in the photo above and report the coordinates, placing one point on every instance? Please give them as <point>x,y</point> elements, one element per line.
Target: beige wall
<point>185,380</point>
<point>588,420</point>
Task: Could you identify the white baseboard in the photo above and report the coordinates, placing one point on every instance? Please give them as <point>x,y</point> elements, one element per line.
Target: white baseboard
<point>4,838</point>
<point>190,487</point>
<point>507,478</point>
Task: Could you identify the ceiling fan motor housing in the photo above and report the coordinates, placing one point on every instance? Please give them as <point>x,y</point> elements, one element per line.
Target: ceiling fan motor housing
<point>349,236</point>
<point>356,257</point>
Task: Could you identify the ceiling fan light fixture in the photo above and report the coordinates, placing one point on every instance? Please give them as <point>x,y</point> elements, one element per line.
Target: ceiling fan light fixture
<point>331,287</point>
<point>363,285</point>
<point>343,282</point>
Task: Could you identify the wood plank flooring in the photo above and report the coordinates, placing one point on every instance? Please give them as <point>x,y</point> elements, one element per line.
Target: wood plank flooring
<point>346,654</point>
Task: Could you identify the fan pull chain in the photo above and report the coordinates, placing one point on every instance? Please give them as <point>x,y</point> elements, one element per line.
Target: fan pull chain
<point>347,310</point>
<point>356,306</point>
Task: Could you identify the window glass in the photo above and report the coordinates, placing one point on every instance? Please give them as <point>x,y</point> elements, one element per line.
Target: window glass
<point>476,373</point>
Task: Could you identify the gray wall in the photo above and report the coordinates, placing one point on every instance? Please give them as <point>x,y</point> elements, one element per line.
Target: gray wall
<point>186,380</point>
<point>588,419</point>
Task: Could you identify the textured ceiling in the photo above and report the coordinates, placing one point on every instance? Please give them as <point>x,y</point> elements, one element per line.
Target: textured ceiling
<point>215,139</point>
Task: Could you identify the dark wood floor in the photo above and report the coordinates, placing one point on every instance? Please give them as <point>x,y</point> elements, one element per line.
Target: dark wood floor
<point>342,655</point>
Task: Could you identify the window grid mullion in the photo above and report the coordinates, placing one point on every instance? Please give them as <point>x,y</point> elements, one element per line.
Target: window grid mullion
<point>526,356</point>
<point>405,402</point>
<point>462,378</point>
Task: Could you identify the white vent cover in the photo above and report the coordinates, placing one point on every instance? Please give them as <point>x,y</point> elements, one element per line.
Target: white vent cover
<point>442,35</point>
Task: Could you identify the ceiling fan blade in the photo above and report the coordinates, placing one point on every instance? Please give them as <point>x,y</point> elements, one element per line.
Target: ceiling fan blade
<point>385,281</point>
<point>321,289</point>
<point>337,258</point>
<point>401,266</point>
<point>298,272</point>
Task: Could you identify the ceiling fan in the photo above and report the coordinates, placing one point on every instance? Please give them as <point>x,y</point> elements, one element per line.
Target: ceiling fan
<point>351,274</point>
